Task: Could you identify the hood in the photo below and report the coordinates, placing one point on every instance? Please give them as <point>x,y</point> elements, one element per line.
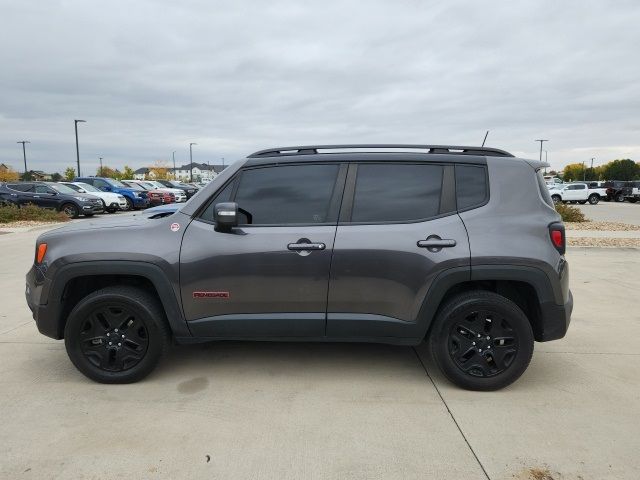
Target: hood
<point>87,196</point>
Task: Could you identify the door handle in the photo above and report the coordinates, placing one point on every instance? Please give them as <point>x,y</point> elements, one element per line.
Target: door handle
<point>306,246</point>
<point>434,243</point>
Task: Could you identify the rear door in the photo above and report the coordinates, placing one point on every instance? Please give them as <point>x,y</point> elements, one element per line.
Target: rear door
<point>398,230</point>
<point>269,276</point>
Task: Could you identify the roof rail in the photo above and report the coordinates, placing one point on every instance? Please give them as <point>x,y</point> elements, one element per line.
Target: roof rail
<point>440,149</point>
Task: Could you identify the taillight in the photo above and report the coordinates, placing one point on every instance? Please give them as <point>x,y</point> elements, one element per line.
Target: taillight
<point>40,252</point>
<point>558,238</point>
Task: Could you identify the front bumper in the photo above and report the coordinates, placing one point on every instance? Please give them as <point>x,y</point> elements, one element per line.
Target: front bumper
<point>140,202</point>
<point>44,314</point>
<point>92,208</point>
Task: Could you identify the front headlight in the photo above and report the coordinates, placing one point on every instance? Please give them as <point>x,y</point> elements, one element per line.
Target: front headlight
<point>139,194</point>
<point>82,199</point>
<point>121,198</point>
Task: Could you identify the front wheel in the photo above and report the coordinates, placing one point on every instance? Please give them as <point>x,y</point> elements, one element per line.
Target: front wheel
<point>619,197</point>
<point>129,203</point>
<point>481,341</point>
<point>556,198</point>
<point>70,210</point>
<point>594,199</point>
<point>582,202</point>
<point>116,334</point>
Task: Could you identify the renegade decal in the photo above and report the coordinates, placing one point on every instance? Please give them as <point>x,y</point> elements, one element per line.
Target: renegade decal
<point>175,227</point>
<point>210,294</point>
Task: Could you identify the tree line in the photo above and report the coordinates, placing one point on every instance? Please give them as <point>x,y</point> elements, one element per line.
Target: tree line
<point>159,170</point>
<point>623,169</point>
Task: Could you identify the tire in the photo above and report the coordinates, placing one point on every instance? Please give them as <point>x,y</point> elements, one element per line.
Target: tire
<point>463,325</point>
<point>129,203</point>
<point>70,210</point>
<point>129,314</point>
<point>582,202</point>
<point>104,206</point>
<point>594,199</point>
<point>632,200</point>
<point>619,197</point>
<point>556,198</point>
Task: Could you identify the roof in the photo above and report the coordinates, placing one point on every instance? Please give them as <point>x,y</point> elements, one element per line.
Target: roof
<point>202,166</point>
<point>428,149</point>
<point>142,170</point>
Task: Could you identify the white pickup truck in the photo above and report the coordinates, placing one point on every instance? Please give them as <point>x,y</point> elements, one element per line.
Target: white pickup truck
<point>577,192</point>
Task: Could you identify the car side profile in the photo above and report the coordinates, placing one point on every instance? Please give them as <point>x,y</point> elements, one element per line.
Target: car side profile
<point>577,192</point>
<point>459,247</point>
<point>111,202</point>
<point>136,199</point>
<point>51,195</point>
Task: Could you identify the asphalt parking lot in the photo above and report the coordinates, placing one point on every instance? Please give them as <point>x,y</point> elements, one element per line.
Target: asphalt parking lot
<point>292,411</point>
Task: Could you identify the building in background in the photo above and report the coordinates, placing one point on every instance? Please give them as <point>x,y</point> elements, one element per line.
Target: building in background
<point>202,172</point>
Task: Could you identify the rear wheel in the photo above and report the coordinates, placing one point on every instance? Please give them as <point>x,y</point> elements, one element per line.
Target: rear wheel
<point>70,210</point>
<point>556,198</point>
<point>632,200</point>
<point>116,335</point>
<point>582,202</point>
<point>481,341</point>
<point>619,197</point>
<point>594,199</point>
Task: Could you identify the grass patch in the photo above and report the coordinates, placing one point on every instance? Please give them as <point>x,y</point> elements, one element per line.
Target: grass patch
<point>570,213</point>
<point>29,213</point>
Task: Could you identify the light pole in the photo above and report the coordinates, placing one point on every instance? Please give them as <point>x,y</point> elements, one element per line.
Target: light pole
<point>584,172</point>
<point>541,141</point>
<point>191,162</point>
<point>546,160</point>
<point>24,155</point>
<point>77,149</point>
<point>173,155</point>
<point>100,165</point>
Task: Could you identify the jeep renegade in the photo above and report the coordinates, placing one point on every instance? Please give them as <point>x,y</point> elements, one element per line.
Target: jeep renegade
<point>460,247</point>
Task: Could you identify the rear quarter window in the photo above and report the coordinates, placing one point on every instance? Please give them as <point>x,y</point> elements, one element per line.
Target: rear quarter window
<point>472,186</point>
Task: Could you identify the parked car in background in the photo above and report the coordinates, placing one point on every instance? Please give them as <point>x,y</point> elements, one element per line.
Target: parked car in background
<point>50,195</point>
<point>187,189</point>
<point>179,194</point>
<point>631,191</point>
<point>156,197</point>
<point>135,199</point>
<point>615,190</point>
<point>111,202</point>
<point>577,192</point>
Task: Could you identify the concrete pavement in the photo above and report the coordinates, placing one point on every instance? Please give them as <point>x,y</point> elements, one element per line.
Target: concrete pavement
<point>291,411</point>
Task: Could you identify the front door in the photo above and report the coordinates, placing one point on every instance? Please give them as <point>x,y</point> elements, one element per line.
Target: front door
<point>398,230</point>
<point>269,276</point>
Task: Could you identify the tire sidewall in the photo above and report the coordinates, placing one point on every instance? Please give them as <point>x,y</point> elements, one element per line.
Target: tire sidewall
<point>155,346</point>
<point>76,210</point>
<point>439,341</point>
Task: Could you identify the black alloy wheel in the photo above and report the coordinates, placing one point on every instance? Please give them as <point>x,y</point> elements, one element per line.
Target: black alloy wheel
<point>116,334</point>
<point>481,340</point>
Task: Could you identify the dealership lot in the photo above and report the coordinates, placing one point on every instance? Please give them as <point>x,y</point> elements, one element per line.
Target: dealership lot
<point>271,410</point>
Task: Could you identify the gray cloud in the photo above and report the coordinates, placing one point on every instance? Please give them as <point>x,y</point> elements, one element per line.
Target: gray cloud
<point>149,77</point>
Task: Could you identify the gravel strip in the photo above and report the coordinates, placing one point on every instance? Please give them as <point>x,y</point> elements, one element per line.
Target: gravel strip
<point>26,223</point>
<point>603,242</point>
<point>609,226</point>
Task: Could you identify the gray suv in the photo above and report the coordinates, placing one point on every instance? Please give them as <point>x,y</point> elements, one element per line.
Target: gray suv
<point>456,246</point>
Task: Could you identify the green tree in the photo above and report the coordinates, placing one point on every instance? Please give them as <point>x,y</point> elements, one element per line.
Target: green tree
<point>56,177</point>
<point>623,169</point>
<point>69,174</point>
<point>573,172</point>
<point>127,173</point>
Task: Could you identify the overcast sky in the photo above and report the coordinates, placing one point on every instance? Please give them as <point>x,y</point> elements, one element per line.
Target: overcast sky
<point>151,76</point>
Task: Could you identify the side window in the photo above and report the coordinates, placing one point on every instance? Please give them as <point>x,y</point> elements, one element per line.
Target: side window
<point>100,183</point>
<point>396,192</point>
<point>223,195</point>
<point>288,194</point>
<point>21,187</point>
<point>471,186</point>
<point>42,189</point>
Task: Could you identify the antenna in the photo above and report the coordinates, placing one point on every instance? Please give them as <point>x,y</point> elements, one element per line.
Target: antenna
<point>485,137</point>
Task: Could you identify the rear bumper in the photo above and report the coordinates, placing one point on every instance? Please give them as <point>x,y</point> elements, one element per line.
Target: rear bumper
<point>555,320</point>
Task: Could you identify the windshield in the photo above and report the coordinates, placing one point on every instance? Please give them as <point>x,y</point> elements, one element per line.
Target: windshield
<point>87,188</point>
<point>135,186</point>
<point>148,185</point>
<point>117,183</point>
<point>62,189</point>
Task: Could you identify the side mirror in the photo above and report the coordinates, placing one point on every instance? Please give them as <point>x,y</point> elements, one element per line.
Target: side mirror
<point>225,215</point>
<point>82,190</point>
